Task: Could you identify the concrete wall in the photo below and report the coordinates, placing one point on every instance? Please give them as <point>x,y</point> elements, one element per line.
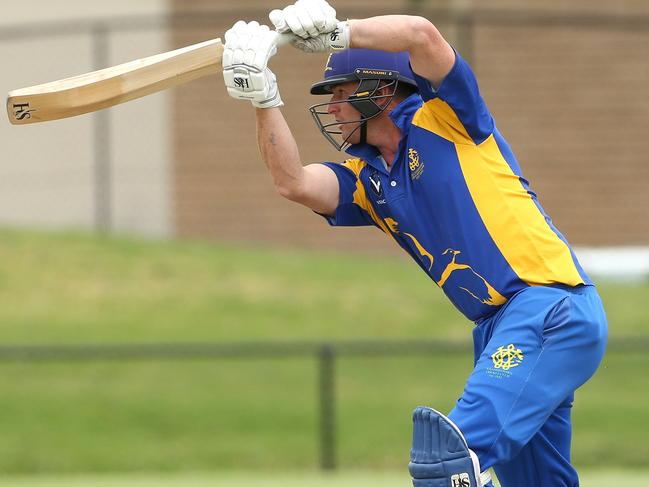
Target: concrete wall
<point>48,175</point>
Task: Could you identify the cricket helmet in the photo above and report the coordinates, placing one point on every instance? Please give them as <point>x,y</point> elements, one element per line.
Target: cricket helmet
<point>373,70</point>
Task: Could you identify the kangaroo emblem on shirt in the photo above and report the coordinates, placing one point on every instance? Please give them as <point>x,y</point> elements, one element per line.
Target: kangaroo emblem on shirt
<point>471,282</point>
<point>460,275</point>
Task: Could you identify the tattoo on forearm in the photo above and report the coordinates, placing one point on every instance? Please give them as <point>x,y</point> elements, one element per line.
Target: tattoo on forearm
<point>272,139</point>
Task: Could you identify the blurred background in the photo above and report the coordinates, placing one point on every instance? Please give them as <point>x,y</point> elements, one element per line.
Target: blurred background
<point>166,316</point>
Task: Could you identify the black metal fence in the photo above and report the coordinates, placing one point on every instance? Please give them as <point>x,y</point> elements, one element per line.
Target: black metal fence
<point>325,353</point>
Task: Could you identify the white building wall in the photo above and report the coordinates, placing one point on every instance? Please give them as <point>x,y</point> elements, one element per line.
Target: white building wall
<point>47,171</point>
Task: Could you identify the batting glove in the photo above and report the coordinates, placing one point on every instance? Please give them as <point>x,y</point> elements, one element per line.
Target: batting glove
<point>248,47</point>
<point>315,25</point>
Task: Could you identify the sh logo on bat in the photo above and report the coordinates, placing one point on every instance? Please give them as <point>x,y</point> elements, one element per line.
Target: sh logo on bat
<point>22,111</point>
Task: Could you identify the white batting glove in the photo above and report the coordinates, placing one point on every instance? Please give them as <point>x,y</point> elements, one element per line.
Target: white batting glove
<point>335,40</point>
<point>311,20</point>
<point>248,47</point>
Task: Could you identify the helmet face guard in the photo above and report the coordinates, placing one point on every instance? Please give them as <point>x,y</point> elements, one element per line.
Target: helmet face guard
<point>364,100</point>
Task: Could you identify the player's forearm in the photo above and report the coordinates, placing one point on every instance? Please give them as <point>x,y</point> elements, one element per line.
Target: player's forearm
<point>279,151</point>
<point>392,33</point>
<point>430,54</point>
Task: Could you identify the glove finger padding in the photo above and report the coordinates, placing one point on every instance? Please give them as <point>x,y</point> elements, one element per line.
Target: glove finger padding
<point>305,18</point>
<point>248,47</point>
<point>308,19</point>
<point>293,21</point>
<point>337,39</point>
<point>277,19</point>
<point>328,17</point>
<point>251,44</point>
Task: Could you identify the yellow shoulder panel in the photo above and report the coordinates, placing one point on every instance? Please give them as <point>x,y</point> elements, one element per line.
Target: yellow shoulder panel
<point>438,117</point>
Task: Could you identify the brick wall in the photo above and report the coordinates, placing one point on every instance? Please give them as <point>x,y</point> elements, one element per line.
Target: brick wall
<point>623,7</point>
<point>570,103</point>
<point>569,97</point>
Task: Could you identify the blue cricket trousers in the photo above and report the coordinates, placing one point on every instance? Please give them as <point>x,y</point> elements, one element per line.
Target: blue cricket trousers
<point>530,356</point>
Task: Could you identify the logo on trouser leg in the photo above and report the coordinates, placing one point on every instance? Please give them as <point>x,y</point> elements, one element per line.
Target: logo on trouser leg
<point>504,359</point>
<point>507,358</point>
<point>460,480</point>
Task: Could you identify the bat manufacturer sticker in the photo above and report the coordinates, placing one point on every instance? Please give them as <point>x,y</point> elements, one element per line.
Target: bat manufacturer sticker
<point>461,480</point>
<point>22,111</point>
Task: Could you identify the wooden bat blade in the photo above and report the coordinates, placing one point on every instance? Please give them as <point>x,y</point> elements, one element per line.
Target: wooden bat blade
<point>111,86</point>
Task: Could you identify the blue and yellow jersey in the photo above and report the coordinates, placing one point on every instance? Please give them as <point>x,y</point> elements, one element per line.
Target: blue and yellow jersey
<point>456,201</point>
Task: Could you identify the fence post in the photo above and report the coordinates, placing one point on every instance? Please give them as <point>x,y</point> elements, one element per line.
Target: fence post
<point>326,386</point>
<point>102,139</point>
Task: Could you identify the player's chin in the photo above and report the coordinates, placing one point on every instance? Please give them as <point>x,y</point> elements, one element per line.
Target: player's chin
<point>351,133</point>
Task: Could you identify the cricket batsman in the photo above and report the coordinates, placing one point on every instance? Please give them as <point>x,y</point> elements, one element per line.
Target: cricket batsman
<point>428,167</point>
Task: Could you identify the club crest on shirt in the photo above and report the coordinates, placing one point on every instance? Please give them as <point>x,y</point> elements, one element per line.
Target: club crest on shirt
<point>414,164</point>
<point>504,359</point>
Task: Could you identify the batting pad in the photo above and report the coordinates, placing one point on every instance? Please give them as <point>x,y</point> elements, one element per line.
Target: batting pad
<point>440,456</point>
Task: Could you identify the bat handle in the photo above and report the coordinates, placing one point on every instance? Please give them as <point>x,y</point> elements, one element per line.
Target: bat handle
<point>284,39</point>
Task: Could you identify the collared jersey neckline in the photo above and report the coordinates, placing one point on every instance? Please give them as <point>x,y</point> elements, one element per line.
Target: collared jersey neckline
<point>401,116</point>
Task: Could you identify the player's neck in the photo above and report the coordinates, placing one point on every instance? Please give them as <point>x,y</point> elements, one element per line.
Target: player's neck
<point>387,137</point>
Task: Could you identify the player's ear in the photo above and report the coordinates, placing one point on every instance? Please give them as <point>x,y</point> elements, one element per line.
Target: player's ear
<point>385,94</point>
<point>385,88</point>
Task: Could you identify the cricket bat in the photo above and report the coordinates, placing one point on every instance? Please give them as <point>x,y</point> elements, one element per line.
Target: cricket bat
<point>111,86</point>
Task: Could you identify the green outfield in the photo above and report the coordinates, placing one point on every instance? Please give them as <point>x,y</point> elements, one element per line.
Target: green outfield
<point>231,414</point>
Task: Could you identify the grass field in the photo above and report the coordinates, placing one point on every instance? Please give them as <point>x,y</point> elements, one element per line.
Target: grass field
<point>231,414</point>
<point>72,287</point>
<point>605,478</point>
